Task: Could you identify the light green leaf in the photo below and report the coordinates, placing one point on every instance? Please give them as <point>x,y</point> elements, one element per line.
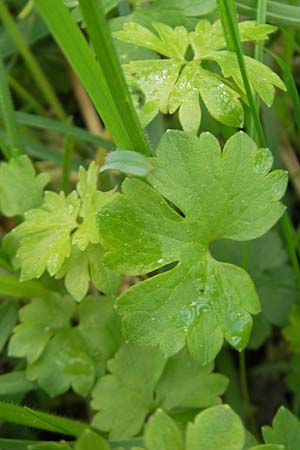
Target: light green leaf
<point>125,397</point>
<point>64,363</point>
<point>221,195</point>
<point>127,161</point>
<point>177,82</point>
<point>83,266</point>
<point>20,188</point>
<point>89,440</point>
<point>45,235</point>
<point>267,447</point>
<point>62,237</point>
<point>162,433</point>
<point>285,430</point>
<point>218,427</point>
<point>40,320</point>
<point>261,77</point>
<point>15,383</point>
<point>202,390</point>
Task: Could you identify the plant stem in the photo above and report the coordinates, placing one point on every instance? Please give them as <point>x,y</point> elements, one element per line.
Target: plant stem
<point>8,115</point>
<point>67,161</point>
<point>248,408</point>
<point>36,71</point>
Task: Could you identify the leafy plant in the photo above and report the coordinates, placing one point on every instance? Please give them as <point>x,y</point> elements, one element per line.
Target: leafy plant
<point>177,82</point>
<point>128,285</point>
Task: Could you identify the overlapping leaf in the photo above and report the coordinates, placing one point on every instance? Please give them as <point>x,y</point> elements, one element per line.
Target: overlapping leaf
<point>218,427</point>
<point>176,83</point>
<point>20,188</point>
<point>285,430</point>
<point>229,194</point>
<point>60,355</point>
<point>268,265</point>
<point>62,237</point>
<point>141,379</point>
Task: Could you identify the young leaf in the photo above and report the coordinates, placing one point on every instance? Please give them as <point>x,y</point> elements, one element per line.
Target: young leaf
<point>166,387</point>
<point>20,188</point>
<point>61,356</point>
<point>216,427</point>
<point>221,195</point>
<point>176,83</point>
<point>62,237</point>
<point>125,397</point>
<point>285,430</point>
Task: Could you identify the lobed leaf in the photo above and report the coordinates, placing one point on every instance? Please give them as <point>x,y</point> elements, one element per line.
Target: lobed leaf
<point>217,195</point>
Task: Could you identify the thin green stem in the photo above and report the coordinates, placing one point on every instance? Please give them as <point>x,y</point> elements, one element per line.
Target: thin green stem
<point>248,408</point>
<point>290,237</point>
<point>35,69</point>
<point>8,115</point>
<point>25,96</point>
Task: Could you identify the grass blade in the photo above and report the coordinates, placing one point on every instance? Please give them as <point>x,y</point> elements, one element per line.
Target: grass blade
<point>12,287</point>
<point>91,75</point>
<point>277,13</point>
<point>7,112</point>
<point>42,421</point>
<point>107,57</point>
<point>67,163</point>
<point>36,71</point>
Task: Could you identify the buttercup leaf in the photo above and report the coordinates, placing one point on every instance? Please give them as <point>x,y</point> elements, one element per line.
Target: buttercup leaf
<point>62,237</point>
<point>218,195</point>
<point>126,388</point>
<point>177,82</point>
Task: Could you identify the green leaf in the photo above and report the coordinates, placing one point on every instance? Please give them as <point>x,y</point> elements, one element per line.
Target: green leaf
<point>61,356</point>
<point>216,427</point>
<point>40,320</point>
<point>62,237</point>
<point>268,265</point>
<point>202,390</point>
<point>162,433</point>
<point>129,162</point>
<point>285,430</point>
<point>177,83</point>
<point>50,446</point>
<point>125,397</point>
<point>45,235</point>
<point>267,447</point>
<point>20,188</point>
<point>65,363</point>
<point>89,440</point>
<point>222,195</point>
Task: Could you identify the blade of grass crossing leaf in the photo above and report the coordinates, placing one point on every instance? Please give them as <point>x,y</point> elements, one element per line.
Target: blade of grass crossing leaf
<point>227,9</point>
<point>12,287</point>
<point>44,123</point>
<point>7,112</point>
<point>88,70</point>
<point>259,52</point>
<point>36,71</point>
<point>67,162</point>
<point>106,54</point>
<point>42,421</point>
